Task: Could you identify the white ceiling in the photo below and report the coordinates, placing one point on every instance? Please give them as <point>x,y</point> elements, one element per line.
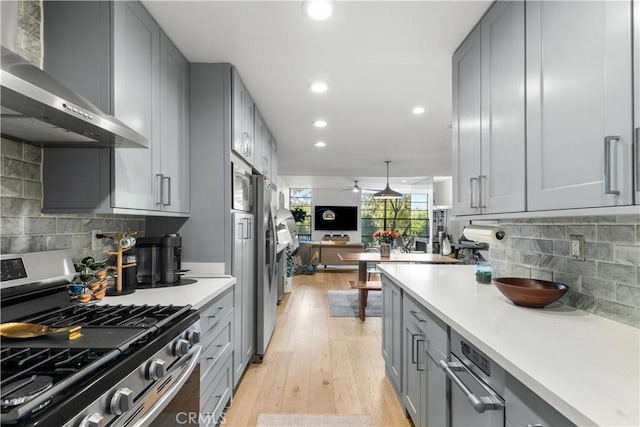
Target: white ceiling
<point>380,59</point>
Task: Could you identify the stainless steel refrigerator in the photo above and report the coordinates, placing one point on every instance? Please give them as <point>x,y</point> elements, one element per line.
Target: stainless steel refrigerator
<point>266,279</point>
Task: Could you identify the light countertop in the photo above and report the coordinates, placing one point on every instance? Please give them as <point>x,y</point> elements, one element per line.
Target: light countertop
<point>585,366</point>
<point>196,294</point>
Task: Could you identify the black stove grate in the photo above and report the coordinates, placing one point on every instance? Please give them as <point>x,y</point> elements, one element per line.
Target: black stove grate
<point>108,315</point>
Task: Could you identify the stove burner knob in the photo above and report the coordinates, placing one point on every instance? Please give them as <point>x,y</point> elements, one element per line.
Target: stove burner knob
<point>193,337</point>
<point>156,369</point>
<point>180,347</point>
<point>121,401</point>
<point>93,420</point>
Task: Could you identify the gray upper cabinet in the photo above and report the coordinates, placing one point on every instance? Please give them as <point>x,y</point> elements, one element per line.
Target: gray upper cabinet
<point>274,159</point>
<point>136,87</point>
<point>129,68</point>
<point>243,120</point>
<point>579,104</point>
<point>636,86</point>
<point>502,180</point>
<point>174,128</point>
<point>466,127</point>
<point>489,114</point>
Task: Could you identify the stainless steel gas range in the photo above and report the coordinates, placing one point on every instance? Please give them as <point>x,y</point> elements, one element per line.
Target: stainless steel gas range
<point>128,364</point>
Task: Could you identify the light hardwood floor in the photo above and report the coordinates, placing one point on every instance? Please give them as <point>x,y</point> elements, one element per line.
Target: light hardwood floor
<point>318,364</point>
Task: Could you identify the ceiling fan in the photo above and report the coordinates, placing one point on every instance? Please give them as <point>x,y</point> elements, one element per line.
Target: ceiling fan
<point>356,188</point>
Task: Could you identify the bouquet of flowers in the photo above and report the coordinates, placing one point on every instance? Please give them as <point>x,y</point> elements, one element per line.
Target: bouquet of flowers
<point>385,236</point>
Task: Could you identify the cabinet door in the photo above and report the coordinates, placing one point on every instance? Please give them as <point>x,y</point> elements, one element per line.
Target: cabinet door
<point>243,117</point>
<point>579,96</point>
<point>239,233</point>
<point>502,182</point>
<point>396,336</point>
<point>636,86</point>
<point>174,127</point>
<point>386,322</point>
<point>136,69</point>
<point>413,367</point>
<point>466,129</point>
<point>249,291</point>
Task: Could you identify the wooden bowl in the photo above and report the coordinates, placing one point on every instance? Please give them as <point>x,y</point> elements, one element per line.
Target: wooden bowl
<point>532,293</point>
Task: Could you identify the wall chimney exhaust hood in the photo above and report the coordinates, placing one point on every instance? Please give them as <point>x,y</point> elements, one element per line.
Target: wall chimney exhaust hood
<point>38,109</point>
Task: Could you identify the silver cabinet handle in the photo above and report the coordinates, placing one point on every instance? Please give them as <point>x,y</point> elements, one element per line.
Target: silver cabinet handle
<point>535,425</point>
<point>479,403</point>
<point>413,347</point>
<point>168,180</point>
<point>414,313</point>
<point>160,189</point>
<point>241,234</point>
<point>249,225</point>
<point>482,189</point>
<point>418,355</point>
<point>473,182</point>
<point>607,165</point>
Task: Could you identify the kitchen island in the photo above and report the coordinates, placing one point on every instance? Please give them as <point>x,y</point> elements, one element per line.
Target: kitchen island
<point>585,366</point>
<point>197,294</point>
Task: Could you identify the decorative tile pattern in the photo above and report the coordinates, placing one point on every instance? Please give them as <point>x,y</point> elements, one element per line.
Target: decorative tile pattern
<point>25,229</point>
<point>606,283</point>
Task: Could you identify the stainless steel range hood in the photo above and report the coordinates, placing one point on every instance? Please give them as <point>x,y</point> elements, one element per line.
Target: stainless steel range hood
<point>39,109</point>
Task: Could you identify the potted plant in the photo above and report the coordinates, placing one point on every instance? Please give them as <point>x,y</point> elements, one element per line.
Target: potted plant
<point>385,238</point>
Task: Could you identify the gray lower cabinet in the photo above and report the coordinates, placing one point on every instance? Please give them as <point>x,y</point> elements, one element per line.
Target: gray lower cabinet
<point>524,408</point>
<point>392,332</point>
<point>424,383</point>
<point>124,64</point>
<point>216,368</point>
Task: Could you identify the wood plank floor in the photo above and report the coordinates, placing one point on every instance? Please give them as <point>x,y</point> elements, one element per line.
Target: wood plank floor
<point>318,364</point>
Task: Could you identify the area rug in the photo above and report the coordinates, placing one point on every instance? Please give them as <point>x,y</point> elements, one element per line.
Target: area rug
<point>313,420</point>
<point>345,304</point>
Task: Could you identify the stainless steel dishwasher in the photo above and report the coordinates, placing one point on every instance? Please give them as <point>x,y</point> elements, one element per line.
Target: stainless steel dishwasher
<point>476,386</point>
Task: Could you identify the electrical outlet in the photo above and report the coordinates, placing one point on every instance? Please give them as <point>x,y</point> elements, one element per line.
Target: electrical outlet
<point>577,247</point>
<point>96,244</point>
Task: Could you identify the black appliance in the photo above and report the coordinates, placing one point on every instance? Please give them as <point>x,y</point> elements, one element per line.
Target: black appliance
<point>128,364</point>
<point>159,260</point>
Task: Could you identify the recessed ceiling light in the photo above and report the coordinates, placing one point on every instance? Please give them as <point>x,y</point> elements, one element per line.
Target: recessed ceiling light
<point>320,144</point>
<point>404,181</point>
<point>320,123</point>
<point>418,110</point>
<point>318,9</point>
<point>318,87</point>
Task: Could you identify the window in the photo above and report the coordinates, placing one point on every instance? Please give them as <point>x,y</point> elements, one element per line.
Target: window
<point>408,216</point>
<point>301,198</point>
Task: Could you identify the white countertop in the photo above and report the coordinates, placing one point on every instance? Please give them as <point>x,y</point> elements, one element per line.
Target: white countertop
<point>196,294</point>
<point>585,366</point>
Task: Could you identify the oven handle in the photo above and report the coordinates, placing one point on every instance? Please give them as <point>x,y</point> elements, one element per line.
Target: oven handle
<point>164,400</point>
<point>479,403</point>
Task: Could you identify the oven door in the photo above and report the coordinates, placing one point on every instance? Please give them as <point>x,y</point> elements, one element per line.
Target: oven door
<point>471,402</point>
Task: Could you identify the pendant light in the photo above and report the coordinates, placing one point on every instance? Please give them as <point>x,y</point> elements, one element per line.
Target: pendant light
<point>388,193</point>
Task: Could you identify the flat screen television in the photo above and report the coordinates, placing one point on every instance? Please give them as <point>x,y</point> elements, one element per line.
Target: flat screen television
<point>336,218</point>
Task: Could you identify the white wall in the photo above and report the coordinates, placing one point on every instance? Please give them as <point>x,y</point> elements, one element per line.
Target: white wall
<point>333,197</point>
<point>284,189</point>
<point>443,192</point>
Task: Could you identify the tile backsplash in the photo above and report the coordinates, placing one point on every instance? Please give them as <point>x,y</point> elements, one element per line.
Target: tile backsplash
<point>23,228</point>
<point>606,283</point>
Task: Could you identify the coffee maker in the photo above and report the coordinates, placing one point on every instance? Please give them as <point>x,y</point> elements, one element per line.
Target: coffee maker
<point>159,259</point>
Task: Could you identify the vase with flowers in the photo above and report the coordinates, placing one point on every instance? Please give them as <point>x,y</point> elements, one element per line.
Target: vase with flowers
<point>385,238</point>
